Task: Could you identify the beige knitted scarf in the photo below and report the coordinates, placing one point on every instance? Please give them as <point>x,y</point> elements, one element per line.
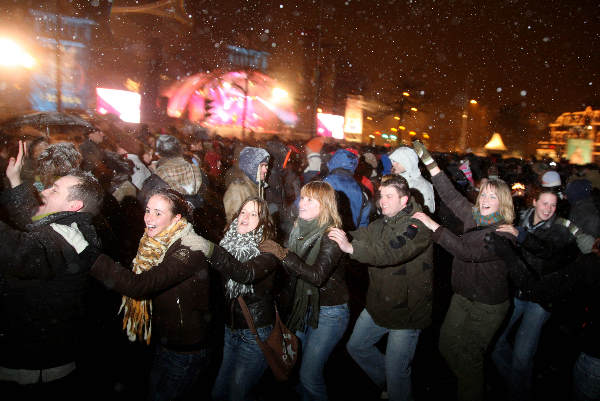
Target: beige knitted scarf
<point>137,314</point>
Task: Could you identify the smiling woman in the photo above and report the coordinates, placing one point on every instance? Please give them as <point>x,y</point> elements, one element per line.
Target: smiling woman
<point>165,292</point>
<point>479,276</point>
<point>248,274</point>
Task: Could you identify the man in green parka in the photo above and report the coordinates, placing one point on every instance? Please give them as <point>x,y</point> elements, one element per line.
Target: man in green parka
<point>399,252</point>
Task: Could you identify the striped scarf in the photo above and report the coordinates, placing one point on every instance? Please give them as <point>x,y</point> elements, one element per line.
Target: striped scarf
<point>137,314</point>
<point>488,220</point>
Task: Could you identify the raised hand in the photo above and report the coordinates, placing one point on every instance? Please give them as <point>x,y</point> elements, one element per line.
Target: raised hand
<point>425,156</point>
<point>13,170</point>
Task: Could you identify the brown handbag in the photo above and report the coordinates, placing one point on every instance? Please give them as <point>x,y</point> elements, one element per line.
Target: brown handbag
<point>281,347</point>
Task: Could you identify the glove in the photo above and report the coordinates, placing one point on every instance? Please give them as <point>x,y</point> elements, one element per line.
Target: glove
<point>72,235</point>
<point>270,246</point>
<point>424,155</point>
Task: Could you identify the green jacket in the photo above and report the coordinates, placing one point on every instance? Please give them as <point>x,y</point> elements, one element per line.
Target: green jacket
<point>399,253</point>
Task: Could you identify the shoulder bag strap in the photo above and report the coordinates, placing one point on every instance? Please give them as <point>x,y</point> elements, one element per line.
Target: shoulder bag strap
<point>247,316</point>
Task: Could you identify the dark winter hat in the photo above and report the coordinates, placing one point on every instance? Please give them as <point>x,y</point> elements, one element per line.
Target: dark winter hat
<point>578,190</point>
<point>168,146</point>
<point>250,159</point>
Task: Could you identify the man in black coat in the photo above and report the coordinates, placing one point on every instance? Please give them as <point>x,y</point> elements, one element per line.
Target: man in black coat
<point>43,281</point>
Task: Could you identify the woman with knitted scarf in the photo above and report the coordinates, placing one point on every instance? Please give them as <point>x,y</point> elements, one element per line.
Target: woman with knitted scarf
<point>247,273</point>
<point>166,293</point>
<point>479,276</point>
<point>319,311</point>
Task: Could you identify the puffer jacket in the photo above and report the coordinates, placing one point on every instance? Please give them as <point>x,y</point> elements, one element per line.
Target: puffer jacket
<point>328,272</point>
<point>341,177</point>
<point>178,287</point>
<point>399,252</point>
<point>258,271</point>
<point>43,284</point>
<point>545,248</point>
<point>478,273</point>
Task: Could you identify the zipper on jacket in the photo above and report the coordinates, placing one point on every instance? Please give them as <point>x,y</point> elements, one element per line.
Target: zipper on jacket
<point>180,313</point>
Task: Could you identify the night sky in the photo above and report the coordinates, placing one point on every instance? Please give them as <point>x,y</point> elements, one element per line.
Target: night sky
<point>514,57</point>
<point>524,56</point>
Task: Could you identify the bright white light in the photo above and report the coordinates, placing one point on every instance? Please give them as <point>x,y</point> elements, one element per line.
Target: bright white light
<point>279,94</point>
<point>126,104</point>
<point>13,55</point>
<point>331,124</point>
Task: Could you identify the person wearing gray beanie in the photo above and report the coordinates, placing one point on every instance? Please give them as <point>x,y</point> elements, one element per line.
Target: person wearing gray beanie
<point>253,162</point>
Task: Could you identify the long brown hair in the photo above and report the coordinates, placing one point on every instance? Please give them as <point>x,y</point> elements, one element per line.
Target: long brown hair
<point>502,191</point>
<point>325,195</point>
<point>264,218</point>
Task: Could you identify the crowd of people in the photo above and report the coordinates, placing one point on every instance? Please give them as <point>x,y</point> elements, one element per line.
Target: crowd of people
<point>165,239</point>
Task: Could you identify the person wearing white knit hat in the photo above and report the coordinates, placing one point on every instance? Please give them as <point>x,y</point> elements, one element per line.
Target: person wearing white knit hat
<point>551,179</point>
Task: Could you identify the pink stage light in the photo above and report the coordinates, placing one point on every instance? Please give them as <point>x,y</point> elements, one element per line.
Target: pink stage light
<point>124,104</point>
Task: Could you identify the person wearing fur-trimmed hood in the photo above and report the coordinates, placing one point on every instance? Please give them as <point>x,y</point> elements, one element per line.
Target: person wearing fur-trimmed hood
<point>406,163</point>
<point>253,162</point>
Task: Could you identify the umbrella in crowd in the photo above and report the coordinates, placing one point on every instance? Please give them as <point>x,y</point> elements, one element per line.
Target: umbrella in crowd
<point>46,119</point>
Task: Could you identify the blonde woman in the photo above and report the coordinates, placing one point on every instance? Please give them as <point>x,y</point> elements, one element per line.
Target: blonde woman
<point>319,309</point>
<point>479,277</point>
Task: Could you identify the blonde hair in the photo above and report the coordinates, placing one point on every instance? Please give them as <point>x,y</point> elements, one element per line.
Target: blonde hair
<point>502,191</point>
<point>325,195</point>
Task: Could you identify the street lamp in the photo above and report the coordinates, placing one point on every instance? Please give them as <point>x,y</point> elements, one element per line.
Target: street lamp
<point>462,140</point>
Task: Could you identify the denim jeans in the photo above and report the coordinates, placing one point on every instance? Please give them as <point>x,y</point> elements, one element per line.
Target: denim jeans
<point>586,378</point>
<point>515,363</point>
<point>317,345</point>
<point>174,373</point>
<point>465,336</point>
<point>393,368</point>
<point>243,364</point>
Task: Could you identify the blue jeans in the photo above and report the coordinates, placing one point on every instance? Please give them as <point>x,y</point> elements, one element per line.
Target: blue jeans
<point>243,364</point>
<point>317,345</point>
<point>174,373</point>
<point>586,378</point>
<point>515,363</point>
<point>393,368</point>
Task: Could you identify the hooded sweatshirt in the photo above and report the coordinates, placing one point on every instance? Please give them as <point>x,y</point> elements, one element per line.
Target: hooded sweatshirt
<point>410,161</point>
<point>249,184</point>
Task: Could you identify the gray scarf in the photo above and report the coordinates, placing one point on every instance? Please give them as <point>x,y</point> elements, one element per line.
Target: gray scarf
<point>243,247</point>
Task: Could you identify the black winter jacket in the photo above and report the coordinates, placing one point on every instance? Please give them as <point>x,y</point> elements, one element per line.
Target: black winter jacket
<point>547,246</point>
<point>260,272</point>
<point>44,282</point>
<point>328,273</point>
<point>179,289</point>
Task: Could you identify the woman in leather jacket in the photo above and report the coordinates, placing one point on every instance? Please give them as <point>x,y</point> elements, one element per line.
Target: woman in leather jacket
<point>247,273</point>
<point>319,312</point>
<point>165,296</point>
